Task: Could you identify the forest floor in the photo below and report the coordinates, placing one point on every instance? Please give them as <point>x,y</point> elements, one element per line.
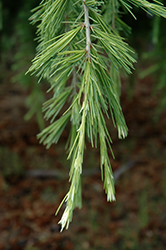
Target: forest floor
<point>137,220</point>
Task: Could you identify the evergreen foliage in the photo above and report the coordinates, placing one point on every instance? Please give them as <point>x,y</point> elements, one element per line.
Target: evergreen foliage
<point>81,40</point>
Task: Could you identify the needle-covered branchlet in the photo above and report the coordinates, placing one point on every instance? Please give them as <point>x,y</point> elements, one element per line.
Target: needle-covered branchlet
<point>82,56</point>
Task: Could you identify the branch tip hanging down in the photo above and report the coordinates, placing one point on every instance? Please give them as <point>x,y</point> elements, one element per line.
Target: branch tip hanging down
<point>96,80</point>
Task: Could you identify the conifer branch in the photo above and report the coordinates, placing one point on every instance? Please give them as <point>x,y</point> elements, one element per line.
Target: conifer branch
<point>95,61</point>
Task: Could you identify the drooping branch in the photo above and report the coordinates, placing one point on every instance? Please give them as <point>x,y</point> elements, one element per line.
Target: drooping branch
<point>61,53</point>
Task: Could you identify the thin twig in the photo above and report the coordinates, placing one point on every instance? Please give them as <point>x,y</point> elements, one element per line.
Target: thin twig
<point>87,25</point>
<point>37,173</point>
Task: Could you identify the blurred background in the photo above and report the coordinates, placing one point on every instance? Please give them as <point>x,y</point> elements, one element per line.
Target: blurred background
<point>33,180</point>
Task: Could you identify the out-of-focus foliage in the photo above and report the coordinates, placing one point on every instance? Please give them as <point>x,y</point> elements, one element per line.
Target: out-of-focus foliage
<point>17,50</point>
<point>157,56</point>
<point>1,22</point>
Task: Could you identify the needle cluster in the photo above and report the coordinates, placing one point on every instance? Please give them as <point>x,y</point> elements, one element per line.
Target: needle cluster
<point>80,40</point>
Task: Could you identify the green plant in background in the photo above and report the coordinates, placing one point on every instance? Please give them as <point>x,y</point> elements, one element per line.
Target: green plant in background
<point>11,164</point>
<point>1,22</point>
<point>81,53</point>
<point>25,36</point>
<point>157,56</point>
<point>17,49</point>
